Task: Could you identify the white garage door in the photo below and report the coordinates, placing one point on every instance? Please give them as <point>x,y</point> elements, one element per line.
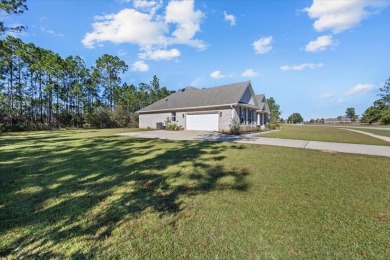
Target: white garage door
<point>208,122</point>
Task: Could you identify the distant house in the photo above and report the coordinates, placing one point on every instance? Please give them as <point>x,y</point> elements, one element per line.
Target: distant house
<point>210,109</point>
<point>343,119</point>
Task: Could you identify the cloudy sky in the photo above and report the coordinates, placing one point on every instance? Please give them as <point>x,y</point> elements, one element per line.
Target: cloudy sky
<point>315,57</point>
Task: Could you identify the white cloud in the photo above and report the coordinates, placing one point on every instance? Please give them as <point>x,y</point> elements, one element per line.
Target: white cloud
<point>147,29</point>
<point>230,18</point>
<point>263,45</point>
<point>45,30</point>
<point>320,44</point>
<point>187,22</point>
<point>326,95</point>
<point>360,88</point>
<point>159,54</point>
<point>147,6</point>
<point>217,75</point>
<point>341,101</point>
<point>301,66</point>
<point>338,16</point>
<point>120,28</point>
<point>250,73</point>
<point>140,66</point>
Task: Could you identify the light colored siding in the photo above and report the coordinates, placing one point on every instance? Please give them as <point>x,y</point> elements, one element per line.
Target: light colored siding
<point>226,118</point>
<point>150,120</point>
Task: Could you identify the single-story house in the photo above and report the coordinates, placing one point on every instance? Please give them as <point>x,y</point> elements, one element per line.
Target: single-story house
<point>210,109</point>
<point>339,120</point>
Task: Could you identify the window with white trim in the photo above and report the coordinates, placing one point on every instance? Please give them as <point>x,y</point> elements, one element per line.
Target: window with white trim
<point>173,117</point>
<point>242,116</point>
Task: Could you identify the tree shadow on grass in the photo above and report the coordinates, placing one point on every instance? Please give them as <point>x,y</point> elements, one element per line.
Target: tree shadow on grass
<point>82,189</point>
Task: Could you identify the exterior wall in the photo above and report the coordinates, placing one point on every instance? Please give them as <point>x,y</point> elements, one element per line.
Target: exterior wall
<point>226,118</point>
<point>150,120</point>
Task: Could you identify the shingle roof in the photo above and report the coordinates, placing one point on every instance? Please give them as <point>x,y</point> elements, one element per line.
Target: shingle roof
<point>194,97</point>
<point>262,102</point>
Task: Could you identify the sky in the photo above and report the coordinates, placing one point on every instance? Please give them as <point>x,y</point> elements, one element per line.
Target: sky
<point>314,57</point>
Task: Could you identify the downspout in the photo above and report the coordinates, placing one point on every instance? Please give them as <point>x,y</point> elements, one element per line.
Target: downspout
<point>232,108</point>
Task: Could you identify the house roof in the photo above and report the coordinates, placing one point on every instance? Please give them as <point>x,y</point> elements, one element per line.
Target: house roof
<point>262,102</point>
<point>191,97</point>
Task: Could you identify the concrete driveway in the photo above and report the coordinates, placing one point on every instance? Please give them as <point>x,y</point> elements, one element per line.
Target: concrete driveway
<point>252,139</point>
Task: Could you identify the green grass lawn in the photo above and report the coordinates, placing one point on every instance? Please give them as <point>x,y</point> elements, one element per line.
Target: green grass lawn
<point>324,134</point>
<point>88,194</point>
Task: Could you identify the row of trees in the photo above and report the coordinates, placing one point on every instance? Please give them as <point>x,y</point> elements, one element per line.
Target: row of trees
<point>275,113</point>
<point>380,111</point>
<point>295,118</point>
<point>40,89</point>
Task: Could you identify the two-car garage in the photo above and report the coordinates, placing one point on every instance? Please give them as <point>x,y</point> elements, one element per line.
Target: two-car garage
<point>205,122</point>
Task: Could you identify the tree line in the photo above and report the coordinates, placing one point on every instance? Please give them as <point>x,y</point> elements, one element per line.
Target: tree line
<point>379,112</point>
<point>39,89</point>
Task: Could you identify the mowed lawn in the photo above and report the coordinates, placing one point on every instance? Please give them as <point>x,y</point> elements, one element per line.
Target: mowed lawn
<point>84,194</point>
<point>324,134</point>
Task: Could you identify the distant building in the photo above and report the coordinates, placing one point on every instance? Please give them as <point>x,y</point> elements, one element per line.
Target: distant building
<point>343,119</point>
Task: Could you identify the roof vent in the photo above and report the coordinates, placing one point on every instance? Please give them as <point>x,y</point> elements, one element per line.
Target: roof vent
<point>183,90</point>
<point>166,99</point>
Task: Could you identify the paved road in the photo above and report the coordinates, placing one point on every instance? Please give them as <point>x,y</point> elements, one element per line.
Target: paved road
<point>252,139</point>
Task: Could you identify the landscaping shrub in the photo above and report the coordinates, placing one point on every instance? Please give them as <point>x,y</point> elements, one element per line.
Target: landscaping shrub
<point>272,126</point>
<point>174,127</point>
<point>250,129</point>
<point>234,127</point>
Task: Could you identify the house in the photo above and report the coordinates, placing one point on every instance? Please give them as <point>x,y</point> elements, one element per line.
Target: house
<point>210,109</point>
<point>341,119</point>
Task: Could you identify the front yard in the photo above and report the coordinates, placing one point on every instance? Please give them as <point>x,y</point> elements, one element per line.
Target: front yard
<point>89,194</point>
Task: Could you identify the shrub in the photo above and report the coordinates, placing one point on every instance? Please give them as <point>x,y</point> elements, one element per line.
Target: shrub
<point>234,127</point>
<point>101,118</point>
<point>272,126</point>
<point>174,127</point>
<point>250,129</point>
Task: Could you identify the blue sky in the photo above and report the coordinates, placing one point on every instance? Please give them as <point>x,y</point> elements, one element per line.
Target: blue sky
<point>315,57</point>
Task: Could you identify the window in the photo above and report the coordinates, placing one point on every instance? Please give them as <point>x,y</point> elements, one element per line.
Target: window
<point>242,116</point>
<point>254,117</point>
<point>250,116</point>
<point>173,117</point>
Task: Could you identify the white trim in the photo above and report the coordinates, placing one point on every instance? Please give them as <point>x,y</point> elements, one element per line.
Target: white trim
<point>203,112</point>
<point>248,106</point>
